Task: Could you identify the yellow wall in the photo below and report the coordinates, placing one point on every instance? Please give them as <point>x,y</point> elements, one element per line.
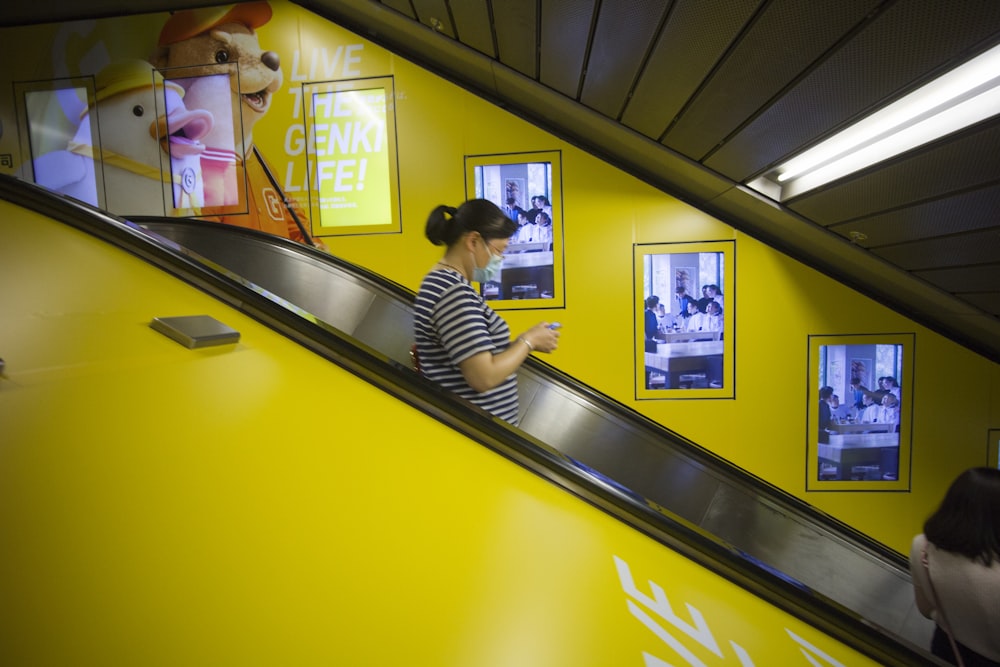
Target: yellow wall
<point>779,302</point>
<point>161,505</point>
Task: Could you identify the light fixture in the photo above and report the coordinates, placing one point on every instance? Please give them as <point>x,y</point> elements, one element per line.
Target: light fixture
<point>963,96</point>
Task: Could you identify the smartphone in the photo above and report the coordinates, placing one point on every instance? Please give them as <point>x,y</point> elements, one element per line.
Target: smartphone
<point>555,325</point>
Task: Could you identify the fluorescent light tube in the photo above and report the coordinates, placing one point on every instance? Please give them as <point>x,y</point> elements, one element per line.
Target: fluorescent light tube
<point>962,97</point>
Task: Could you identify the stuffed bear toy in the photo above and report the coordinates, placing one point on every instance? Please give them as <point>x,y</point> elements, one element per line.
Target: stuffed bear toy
<point>197,45</point>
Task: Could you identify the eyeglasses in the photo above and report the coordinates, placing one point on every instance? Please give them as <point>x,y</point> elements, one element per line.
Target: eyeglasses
<point>494,250</point>
<point>491,248</point>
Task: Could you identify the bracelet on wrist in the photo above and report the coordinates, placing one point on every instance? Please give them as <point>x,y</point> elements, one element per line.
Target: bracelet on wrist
<point>531,348</point>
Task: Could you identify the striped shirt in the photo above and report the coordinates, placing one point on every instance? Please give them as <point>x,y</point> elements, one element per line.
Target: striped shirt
<point>452,323</point>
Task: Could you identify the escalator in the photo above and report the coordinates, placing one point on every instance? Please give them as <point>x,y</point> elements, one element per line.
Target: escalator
<point>754,542</point>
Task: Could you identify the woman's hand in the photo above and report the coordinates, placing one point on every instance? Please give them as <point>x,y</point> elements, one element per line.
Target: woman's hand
<point>542,337</point>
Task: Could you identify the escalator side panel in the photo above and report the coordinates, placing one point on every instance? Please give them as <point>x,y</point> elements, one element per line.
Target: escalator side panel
<point>579,430</point>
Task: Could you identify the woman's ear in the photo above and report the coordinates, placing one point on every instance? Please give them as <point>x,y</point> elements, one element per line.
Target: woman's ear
<point>470,240</point>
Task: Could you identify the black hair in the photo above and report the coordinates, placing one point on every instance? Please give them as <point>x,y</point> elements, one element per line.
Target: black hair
<point>652,301</point>
<point>825,393</point>
<point>968,520</point>
<point>446,224</point>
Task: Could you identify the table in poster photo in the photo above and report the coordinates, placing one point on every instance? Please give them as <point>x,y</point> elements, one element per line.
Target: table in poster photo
<point>703,358</point>
<point>687,336</point>
<point>525,275</point>
<point>859,427</point>
<point>857,456</point>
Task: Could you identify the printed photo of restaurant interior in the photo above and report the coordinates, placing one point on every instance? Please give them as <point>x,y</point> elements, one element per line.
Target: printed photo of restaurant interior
<point>860,411</point>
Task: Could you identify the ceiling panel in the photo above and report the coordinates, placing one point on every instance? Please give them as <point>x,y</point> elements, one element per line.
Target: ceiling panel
<point>981,247</point>
<point>768,58</point>
<point>565,38</point>
<point>965,279</point>
<point>434,13</point>
<point>688,48</point>
<point>515,23</point>
<point>626,31</point>
<point>473,25</point>
<point>950,214</point>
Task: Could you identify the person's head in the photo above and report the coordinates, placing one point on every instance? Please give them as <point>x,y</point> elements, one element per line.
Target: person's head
<point>704,290</point>
<point>692,307</point>
<point>652,301</point>
<point>713,308</point>
<point>825,393</point>
<point>834,401</point>
<point>479,218</point>
<point>661,309</point>
<point>713,290</point>
<point>542,218</point>
<point>889,401</point>
<point>478,226</point>
<point>511,201</point>
<point>867,399</point>
<point>968,520</point>
<point>889,382</point>
<point>681,292</point>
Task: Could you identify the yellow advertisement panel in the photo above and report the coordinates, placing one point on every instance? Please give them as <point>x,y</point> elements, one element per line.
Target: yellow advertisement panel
<point>352,161</point>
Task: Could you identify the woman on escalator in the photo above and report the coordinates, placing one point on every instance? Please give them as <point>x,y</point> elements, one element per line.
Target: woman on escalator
<point>955,565</point>
<point>461,342</point>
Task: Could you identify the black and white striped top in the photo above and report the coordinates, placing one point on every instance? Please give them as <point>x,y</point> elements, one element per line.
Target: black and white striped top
<point>451,323</point>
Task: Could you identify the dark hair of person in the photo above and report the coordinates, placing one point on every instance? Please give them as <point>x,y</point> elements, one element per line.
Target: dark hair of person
<point>652,301</point>
<point>968,520</point>
<point>446,224</point>
<point>825,393</point>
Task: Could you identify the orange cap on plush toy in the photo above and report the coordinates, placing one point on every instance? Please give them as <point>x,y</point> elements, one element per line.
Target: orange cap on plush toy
<point>189,23</point>
<point>126,75</point>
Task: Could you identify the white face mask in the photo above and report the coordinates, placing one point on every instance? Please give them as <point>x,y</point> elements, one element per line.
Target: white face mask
<point>492,268</point>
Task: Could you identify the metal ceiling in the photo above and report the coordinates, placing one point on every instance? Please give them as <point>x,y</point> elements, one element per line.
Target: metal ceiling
<point>698,97</point>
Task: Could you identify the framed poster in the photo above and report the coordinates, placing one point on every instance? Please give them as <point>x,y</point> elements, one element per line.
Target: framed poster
<point>859,412</point>
<point>46,112</point>
<point>210,181</point>
<point>352,168</point>
<point>684,320</point>
<point>528,188</point>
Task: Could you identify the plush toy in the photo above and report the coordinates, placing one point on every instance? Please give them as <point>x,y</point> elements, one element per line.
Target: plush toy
<point>199,44</point>
<point>140,126</point>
